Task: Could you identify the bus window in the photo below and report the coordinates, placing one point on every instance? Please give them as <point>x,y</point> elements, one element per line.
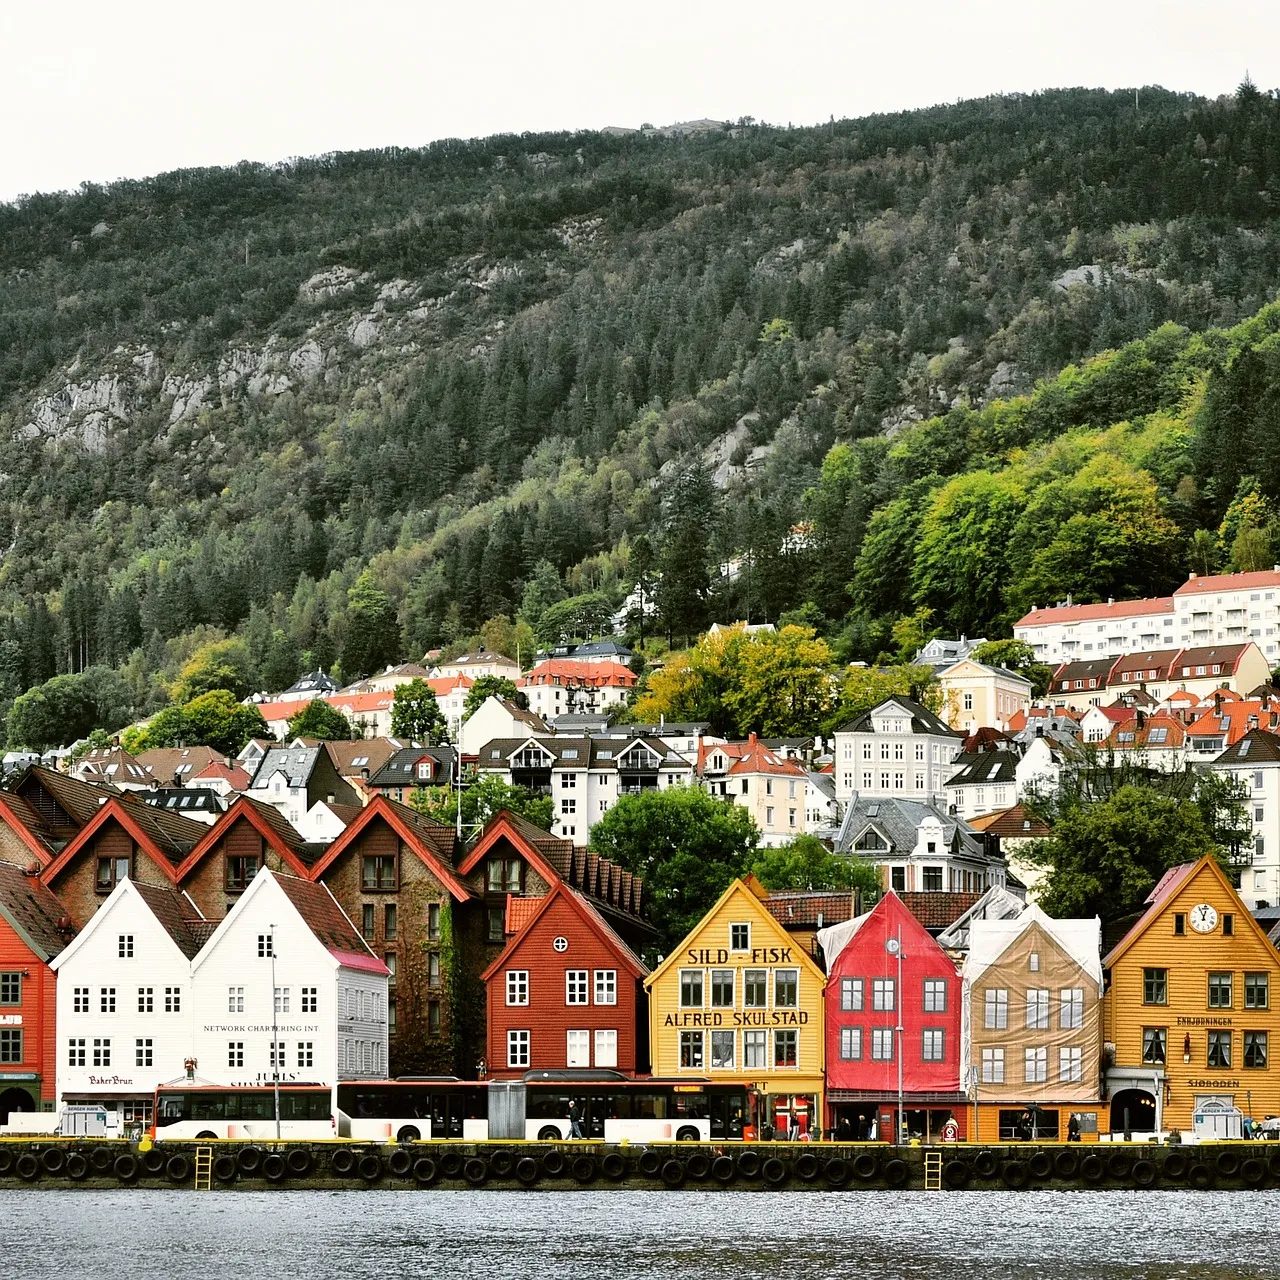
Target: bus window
<point>648,1106</point>
<point>173,1107</point>
<point>211,1106</point>
<point>689,1106</point>
<point>257,1106</point>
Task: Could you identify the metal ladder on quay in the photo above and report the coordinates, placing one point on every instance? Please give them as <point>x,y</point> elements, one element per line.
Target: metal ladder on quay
<point>204,1168</point>
<point>933,1170</point>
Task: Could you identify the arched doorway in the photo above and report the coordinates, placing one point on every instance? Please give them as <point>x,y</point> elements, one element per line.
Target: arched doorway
<point>15,1100</point>
<point>1141,1107</point>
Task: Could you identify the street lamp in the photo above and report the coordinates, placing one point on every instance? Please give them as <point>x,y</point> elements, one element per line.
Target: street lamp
<point>894,947</point>
<point>275,1029</point>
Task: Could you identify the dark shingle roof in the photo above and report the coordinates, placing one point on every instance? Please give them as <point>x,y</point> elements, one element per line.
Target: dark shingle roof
<point>319,908</point>
<point>922,719</point>
<point>793,910</point>
<point>938,910</point>
<point>181,921</point>
<point>399,769</point>
<point>899,822</point>
<point>1256,745</point>
<point>33,912</point>
<point>983,767</point>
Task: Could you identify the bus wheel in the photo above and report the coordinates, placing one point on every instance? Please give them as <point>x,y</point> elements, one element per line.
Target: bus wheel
<point>424,1171</point>
<point>673,1173</point>
<point>298,1162</point>
<point>77,1166</point>
<point>206,1135</point>
<point>526,1171</point>
<point>178,1169</point>
<point>224,1169</point>
<point>274,1167</point>
<point>400,1163</point>
<point>688,1134</point>
<point>549,1133</point>
<point>409,1134</point>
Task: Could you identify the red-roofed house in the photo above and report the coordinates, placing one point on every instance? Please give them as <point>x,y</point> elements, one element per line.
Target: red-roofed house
<point>1226,720</point>
<point>565,993</point>
<point>1159,739</point>
<point>1097,723</point>
<point>1230,608</point>
<point>1074,632</point>
<point>561,686</point>
<point>753,775</point>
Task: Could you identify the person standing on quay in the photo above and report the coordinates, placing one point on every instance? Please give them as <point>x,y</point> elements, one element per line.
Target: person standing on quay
<point>575,1119</point>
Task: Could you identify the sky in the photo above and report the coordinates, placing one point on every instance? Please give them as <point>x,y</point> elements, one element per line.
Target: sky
<point>92,91</point>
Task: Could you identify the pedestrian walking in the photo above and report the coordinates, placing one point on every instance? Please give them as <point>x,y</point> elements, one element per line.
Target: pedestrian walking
<point>575,1119</point>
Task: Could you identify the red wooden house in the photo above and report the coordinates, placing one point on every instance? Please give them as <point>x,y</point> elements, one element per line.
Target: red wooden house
<point>33,929</point>
<point>870,984</point>
<point>566,992</point>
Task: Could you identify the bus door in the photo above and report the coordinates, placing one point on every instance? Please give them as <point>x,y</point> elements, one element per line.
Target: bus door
<point>727,1112</point>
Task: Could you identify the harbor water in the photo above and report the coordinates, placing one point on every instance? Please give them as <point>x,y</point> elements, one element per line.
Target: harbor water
<point>636,1235</point>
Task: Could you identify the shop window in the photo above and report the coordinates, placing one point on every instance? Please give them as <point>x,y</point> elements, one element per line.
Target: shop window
<point>1155,1041</point>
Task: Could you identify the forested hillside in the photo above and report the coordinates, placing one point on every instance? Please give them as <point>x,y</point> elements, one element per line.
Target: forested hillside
<point>345,409</point>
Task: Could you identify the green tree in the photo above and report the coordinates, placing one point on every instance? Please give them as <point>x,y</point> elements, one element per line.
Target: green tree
<point>912,633</point>
<point>578,618</point>
<point>684,582</point>
<point>319,720</point>
<point>373,634</point>
<point>482,798</point>
<point>416,714</point>
<point>221,664</point>
<point>66,708</point>
<point>493,687</point>
<point>807,863</point>
<point>862,688</point>
<point>1016,656</point>
<point>686,845</point>
<point>218,720</point>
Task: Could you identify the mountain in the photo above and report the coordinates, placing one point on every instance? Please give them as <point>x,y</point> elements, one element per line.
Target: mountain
<point>349,408</point>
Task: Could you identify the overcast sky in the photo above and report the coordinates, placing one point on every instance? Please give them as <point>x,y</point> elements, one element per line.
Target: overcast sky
<point>99,90</point>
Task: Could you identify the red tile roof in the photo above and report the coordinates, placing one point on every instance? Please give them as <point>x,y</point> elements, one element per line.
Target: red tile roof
<point>1091,612</point>
<point>938,910</point>
<point>519,912</point>
<point>33,912</point>
<point>326,919</point>
<point>799,909</point>
<point>1012,822</point>
<point>1233,718</point>
<point>593,674</point>
<point>1201,584</point>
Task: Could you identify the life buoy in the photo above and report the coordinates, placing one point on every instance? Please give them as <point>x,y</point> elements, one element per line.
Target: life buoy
<point>1015,1174</point>
<point>951,1132</point>
<point>673,1173</point>
<point>400,1163</point>
<point>896,1173</point>
<point>526,1171</point>
<point>614,1167</point>
<point>475,1171</point>
<point>424,1171</point>
<point>274,1167</point>
<point>178,1169</point>
<point>722,1170</point>
<point>773,1171</point>
<point>77,1167</point>
<point>837,1172</point>
<point>298,1162</point>
<point>369,1168</point>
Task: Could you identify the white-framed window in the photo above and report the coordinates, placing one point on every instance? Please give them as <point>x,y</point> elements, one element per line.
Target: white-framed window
<point>883,994</point>
<point>102,1053</point>
<point>1037,1065</point>
<point>1037,1009</point>
<point>75,1053</point>
<point>606,984</point>
<point>786,988</point>
<point>722,1050</point>
<point>577,1048</point>
<point>310,999</point>
<point>282,999</point>
<point>993,1066</point>
<point>1071,1017</point>
<point>692,983</point>
<point>266,946</point>
<point>576,986</point>
<point>851,995</point>
<point>235,1053</point>
<point>691,1050</point>
<point>142,1053</point>
<point>173,999</point>
<point>995,1015</point>
<point>517,1048</point>
<point>606,1047</point>
<point>235,999</point>
<point>881,1044</point>
<point>755,1049</point>
<point>517,986</point>
<point>1070,1066</point>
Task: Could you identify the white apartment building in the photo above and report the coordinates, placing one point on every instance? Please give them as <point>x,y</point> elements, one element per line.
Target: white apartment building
<point>565,686</point>
<point>1080,632</point>
<point>283,984</point>
<point>1230,608</point>
<point>1254,761</point>
<point>898,748</point>
<point>773,789</point>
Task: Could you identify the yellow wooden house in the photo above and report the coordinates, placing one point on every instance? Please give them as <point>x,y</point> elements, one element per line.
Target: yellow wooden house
<point>739,1000</point>
<point>1189,1012</point>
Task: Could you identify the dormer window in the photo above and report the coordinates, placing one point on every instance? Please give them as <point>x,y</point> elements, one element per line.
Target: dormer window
<point>503,875</point>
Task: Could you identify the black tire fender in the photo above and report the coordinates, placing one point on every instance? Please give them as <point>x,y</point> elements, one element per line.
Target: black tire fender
<point>425,1171</point>
<point>369,1167</point>
<point>865,1166</point>
<point>343,1162</point>
<point>53,1160</point>
<point>749,1164</point>
<point>773,1171</point>
<point>807,1166</point>
<point>299,1162</point>
<point>249,1160</point>
<point>1144,1173</point>
<point>178,1169</point>
<point>650,1163</point>
<point>673,1173</point>
<point>553,1164</point>
<point>526,1171</point>
<point>955,1174</point>
<point>476,1171</point>
<point>896,1173</point>
<point>1040,1164</point>
<point>224,1168</point>
<point>1015,1174</point>
<point>125,1167</point>
<point>27,1167</point>
<point>722,1170</point>
<point>77,1167</point>
<point>400,1163</point>
<point>1066,1164</point>
<point>1092,1169</point>
<point>614,1167</point>
<point>837,1172</point>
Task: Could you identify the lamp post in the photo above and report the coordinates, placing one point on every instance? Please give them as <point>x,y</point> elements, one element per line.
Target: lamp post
<point>275,1030</point>
<point>894,947</point>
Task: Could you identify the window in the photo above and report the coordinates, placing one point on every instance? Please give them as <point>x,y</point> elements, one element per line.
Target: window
<point>851,995</point>
<point>517,986</point>
<point>1219,1049</point>
<point>722,1050</point>
<point>433,1017</point>
<point>275,1049</point>
<point>883,995</point>
<point>306,1053</point>
<point>110,872</point>
<point>1070,1066</point>
<point>1179,924</point>
<point>754,1048</point>
<point>107,1000</point>
<point>935,995</point>
<point>1037,1009</point>
<point>235,999</point>
<point>1155,986</point>
<point>497,924</point>
<point>1071,1008</point>
<point>881,1044</point>
<point>722,988</point>
<point>606,981</point>
<point>898,876</point>
<point>368,922</point>
<point>1256,991</point>
<point>851,1044</point>
<point>607,1048</point>
<point>240,872</point>
<point>266,946</point>
<point>968,702</point>
<point>146,999</point>
<point>389,959</point>
<point>80,1000</point>
<point>568,805</point>
<point>75,1053</point>
<point>433,920</point>
<point>932,879</point>
<point>996,1009</point>
<point>1154,1044</point>
<point>1228,925</point>
<point>310,999</point>
<point>739,937</point>
<point>173,999</point>
<point>1033,962</point>
<point>786,1048</point>
<point>1255,1049</point>
<point>102,1053</point>
<point>691,1050</point>
<point>755,989</point>
<point>691,988</point>
<point>10,1044</point>
<point>932,1047</point>
<point>142,1050</point>
<point>786,988</point>
<point>125,945</point>
<point>517,1048</point>
<point>282,999</point>
<point>390,916</point>
<point>378,872</point>
<point>1037,1065</point>
<point>577,1048</point>
<point>575,986</point>
<point>1220,991</point>
<point>503,875</point>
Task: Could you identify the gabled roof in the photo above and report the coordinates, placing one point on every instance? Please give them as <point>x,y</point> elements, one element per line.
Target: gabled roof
<point>1015,822</point>
<point>758,758</point>
<point>320,911</point>
<point>112,764</point>
<point>349,758</point>
<point>1159,731</point>
<point>998,903</point>
<point>79,800</point>
<point>937,911</point>
<point>1232,718</point>
<point>234,776</point>
<point>982,767</point>
<point>570,673</point>
<point>898,821</point>
<point>989,939</point>
<point>269,822</point>
<point>32,912</point>
<point>1153,664</point>
<point>922,719</point>
<point>400,769</point>
<point>1258,746</point>
<point>1095,669</point>
<point>956,669</point>
<point>1094,612</point>
<point>185,762</point>
<point>296,763</point>
<point>431,841</point>
<point>1201,584</point>
<point>1225,656</point>
<point>602,751</point>
<point>179,916</point>
<point>587,914</point>
<point>836,937</point>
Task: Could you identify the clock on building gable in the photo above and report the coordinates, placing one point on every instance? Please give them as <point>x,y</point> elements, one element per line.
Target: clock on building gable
<point>1204,918</point>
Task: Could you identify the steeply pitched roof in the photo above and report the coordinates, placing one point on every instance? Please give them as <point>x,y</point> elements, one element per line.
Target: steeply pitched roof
<point>178,915</point>
<point>922,719</point>
<point>269,822</point>
<point>325,918</point>
<point>817,907</point>
<point>185,762</point>
<point>983,767</point>
<point>1159,731</point>
<point>1232,718</point>
<point>601,751</point>
<point>296,763</point>
<point>349,758</point>
<point>1258,745</point>
<point>79,800</point>
<point>112,764</point>
<point>1165,888</point>
<point>899,822</point>
<point>33,912</point>
<point>400,769</point>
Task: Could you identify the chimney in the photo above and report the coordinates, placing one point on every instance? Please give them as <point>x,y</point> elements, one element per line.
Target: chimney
<point>1217,703</point>
<point>364,774</point>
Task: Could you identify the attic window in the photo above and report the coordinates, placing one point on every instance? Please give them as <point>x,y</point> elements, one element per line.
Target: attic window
<point>1158,735</point>
<point>1244,749</point>
<point>495,755</point>
<point>360,760</point>
<point>110,769</point>
<point>569,753</point>
<point>606,753</point>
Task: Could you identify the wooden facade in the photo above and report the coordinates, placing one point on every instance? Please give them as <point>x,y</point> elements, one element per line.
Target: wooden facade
<point>1191,1007</point>
<point>740,1000</point>
<point>566,992</point>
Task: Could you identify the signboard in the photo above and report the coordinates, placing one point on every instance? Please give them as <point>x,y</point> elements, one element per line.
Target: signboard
<point>10,1019</point>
